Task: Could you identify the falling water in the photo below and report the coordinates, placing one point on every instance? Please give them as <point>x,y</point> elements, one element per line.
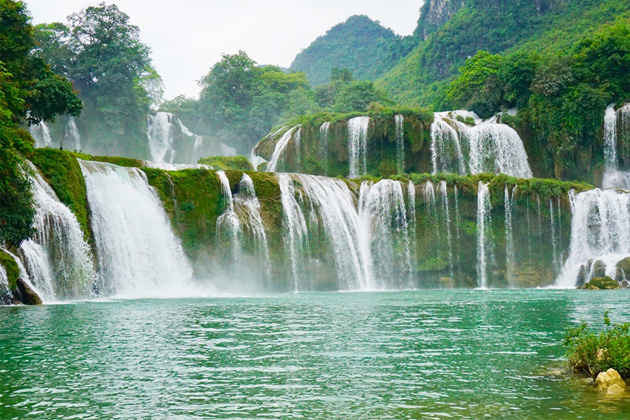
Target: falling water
<point>57,257</point>
<point>138,253</point>
<point>41,134</point>
<point>5,291</point>
<point>295,229</point>
<point>600,234</point>
<point>400,142</point>
<point>248,202</point>
<point>160,134</point>
<point>443,188</point>
<point>610,138</point>
<point>72,134</point>
<point>357,145</point>
<point>554,237</point>
<point>483,224</point>
<point>509,232</point>
<point>428,194</point>
<point>458,222</point>
<point>384,215</point>
<point>413,229</point>
<point>228,224</point>
<point>278,151</point>
<point>324,133</point>
<point>491,147</point>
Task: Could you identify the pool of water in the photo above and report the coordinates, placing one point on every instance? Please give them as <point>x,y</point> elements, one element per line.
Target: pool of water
<point>425,354</point>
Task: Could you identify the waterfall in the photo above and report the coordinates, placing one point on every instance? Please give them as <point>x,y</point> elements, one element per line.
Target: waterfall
<point>446,150</point>
<point>357,145</point>
<point>228,225</point>
<point>160,134</point>
<point>278,151</point>
<point>600,236</point>
<point>249,204</point>
<point>295,229</point>
<point>72,134</point>
<point>41,134</point>
<point>400,142</point>
<point>443,188</point>
<point>483,225</point>
<point>428,194</point>
<point>610,138</point>
<point>5,292</point>
<point>324,133</point>
<point>57,257</point>
<point>458,222</point>
<point>509,233</point>
<point>492,147</point>
<point>383,212</point>
<point>413,229</point>
<point>23,272</point>
<point>138,253</point>
<point>554,238</point>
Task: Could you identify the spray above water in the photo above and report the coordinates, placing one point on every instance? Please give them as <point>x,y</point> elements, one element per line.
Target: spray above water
<point>138,253</point>
<point>357,145</point>
<point>483,225</point>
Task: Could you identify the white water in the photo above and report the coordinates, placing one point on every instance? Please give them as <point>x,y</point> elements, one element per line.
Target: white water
<point>400,142</point>
<point>228,224</point>
<point>324,133</point>
<point>278,151</point>
<point>610,138</point>
<point>23,272</point>
<point>600,231</point>
<point>382,211</point>
<point>5,292</point>
<point>72,134</point>
<point>138,253</point>
<point>295,229</point>
<point>554,237</point>
<point>160,134</point>
<point>248,203</point>
<point>41,134</point>
<point>413,226</point>
<point>428,194</point>
<point>57,258</point>
<point>357,145</point>
<point>509,232</point>
<point>443,189</point>
<point>487,147</point>
<point>483,224</point>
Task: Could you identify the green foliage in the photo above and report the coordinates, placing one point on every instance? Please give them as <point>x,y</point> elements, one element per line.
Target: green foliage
<point>591,352</point>
<point>100,51</point>
<point>12,269</point>
<point>361,45</point>
<point>357,96</point>
<point>222,163</point>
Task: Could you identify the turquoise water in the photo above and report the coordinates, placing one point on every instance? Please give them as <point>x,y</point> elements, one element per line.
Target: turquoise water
<point>425,354</point>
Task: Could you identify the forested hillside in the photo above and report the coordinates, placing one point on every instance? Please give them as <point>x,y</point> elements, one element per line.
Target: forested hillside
<point>359,44</point>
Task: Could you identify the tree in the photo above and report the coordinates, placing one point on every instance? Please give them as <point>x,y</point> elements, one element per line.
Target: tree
<point>357,96</point>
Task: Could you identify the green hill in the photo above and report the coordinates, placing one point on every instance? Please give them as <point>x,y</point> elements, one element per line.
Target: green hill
<point>359,44</point>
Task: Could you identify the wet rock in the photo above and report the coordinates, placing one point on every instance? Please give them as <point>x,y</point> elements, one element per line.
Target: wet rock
<point>447,282</point>
<point>29,297</point>
<point>616,390</point>
<point>608,379</point>
<point>623,269</point>
<point>599,269</point>
<point>601,283</point>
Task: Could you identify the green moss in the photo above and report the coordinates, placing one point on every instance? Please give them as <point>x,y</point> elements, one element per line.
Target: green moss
<point>63,173</point>
<point>222,163</point>
<point>12,269</point>
<point>601,283</point>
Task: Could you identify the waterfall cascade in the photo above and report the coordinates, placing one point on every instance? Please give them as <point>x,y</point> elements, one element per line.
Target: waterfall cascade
<point>357,145</point>
<point>483,224</point>
<point>600,238</point>
<point>324,133</point>
<point>616,126</point>
<point>72,135</point>
<point>443,189</point>
<point>485,147</point>
<point>57,258</point>
<point>509,232</point>
<point>400,142</point>
<point>41,135</point>
<point>138,253</point>
<point>228,225</point>
<point>278,151</point>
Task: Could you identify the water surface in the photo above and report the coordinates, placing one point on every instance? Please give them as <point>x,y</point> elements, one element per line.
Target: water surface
<point>425,354</point>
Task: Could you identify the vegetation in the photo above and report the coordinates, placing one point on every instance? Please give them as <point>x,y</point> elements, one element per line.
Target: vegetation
<point>29,92</point>
<point>562,97</point>
<point>101,52</point>
<point>359,44</point>
<point>223,163</point>
<point>591,352</point>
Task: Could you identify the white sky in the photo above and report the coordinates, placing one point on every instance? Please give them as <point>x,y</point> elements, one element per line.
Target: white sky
<point>188,36</point>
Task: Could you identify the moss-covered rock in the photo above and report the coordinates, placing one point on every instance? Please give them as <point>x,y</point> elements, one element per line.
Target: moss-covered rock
<point>601,283</point>
<point>223,163</point>
<point>12,269</point>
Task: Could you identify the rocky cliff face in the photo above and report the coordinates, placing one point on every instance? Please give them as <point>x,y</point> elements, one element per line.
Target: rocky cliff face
<point>435,13</point>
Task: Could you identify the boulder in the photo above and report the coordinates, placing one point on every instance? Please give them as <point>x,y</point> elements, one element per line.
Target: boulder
<point>616,390</point>
<point>601,283</point>
<point>623,269</point>
<point>447,282</point>
<point>608,379</point>
<point>29,297</point>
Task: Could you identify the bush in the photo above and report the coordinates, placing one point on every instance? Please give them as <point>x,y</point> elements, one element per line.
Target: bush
<point>592,353</point>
